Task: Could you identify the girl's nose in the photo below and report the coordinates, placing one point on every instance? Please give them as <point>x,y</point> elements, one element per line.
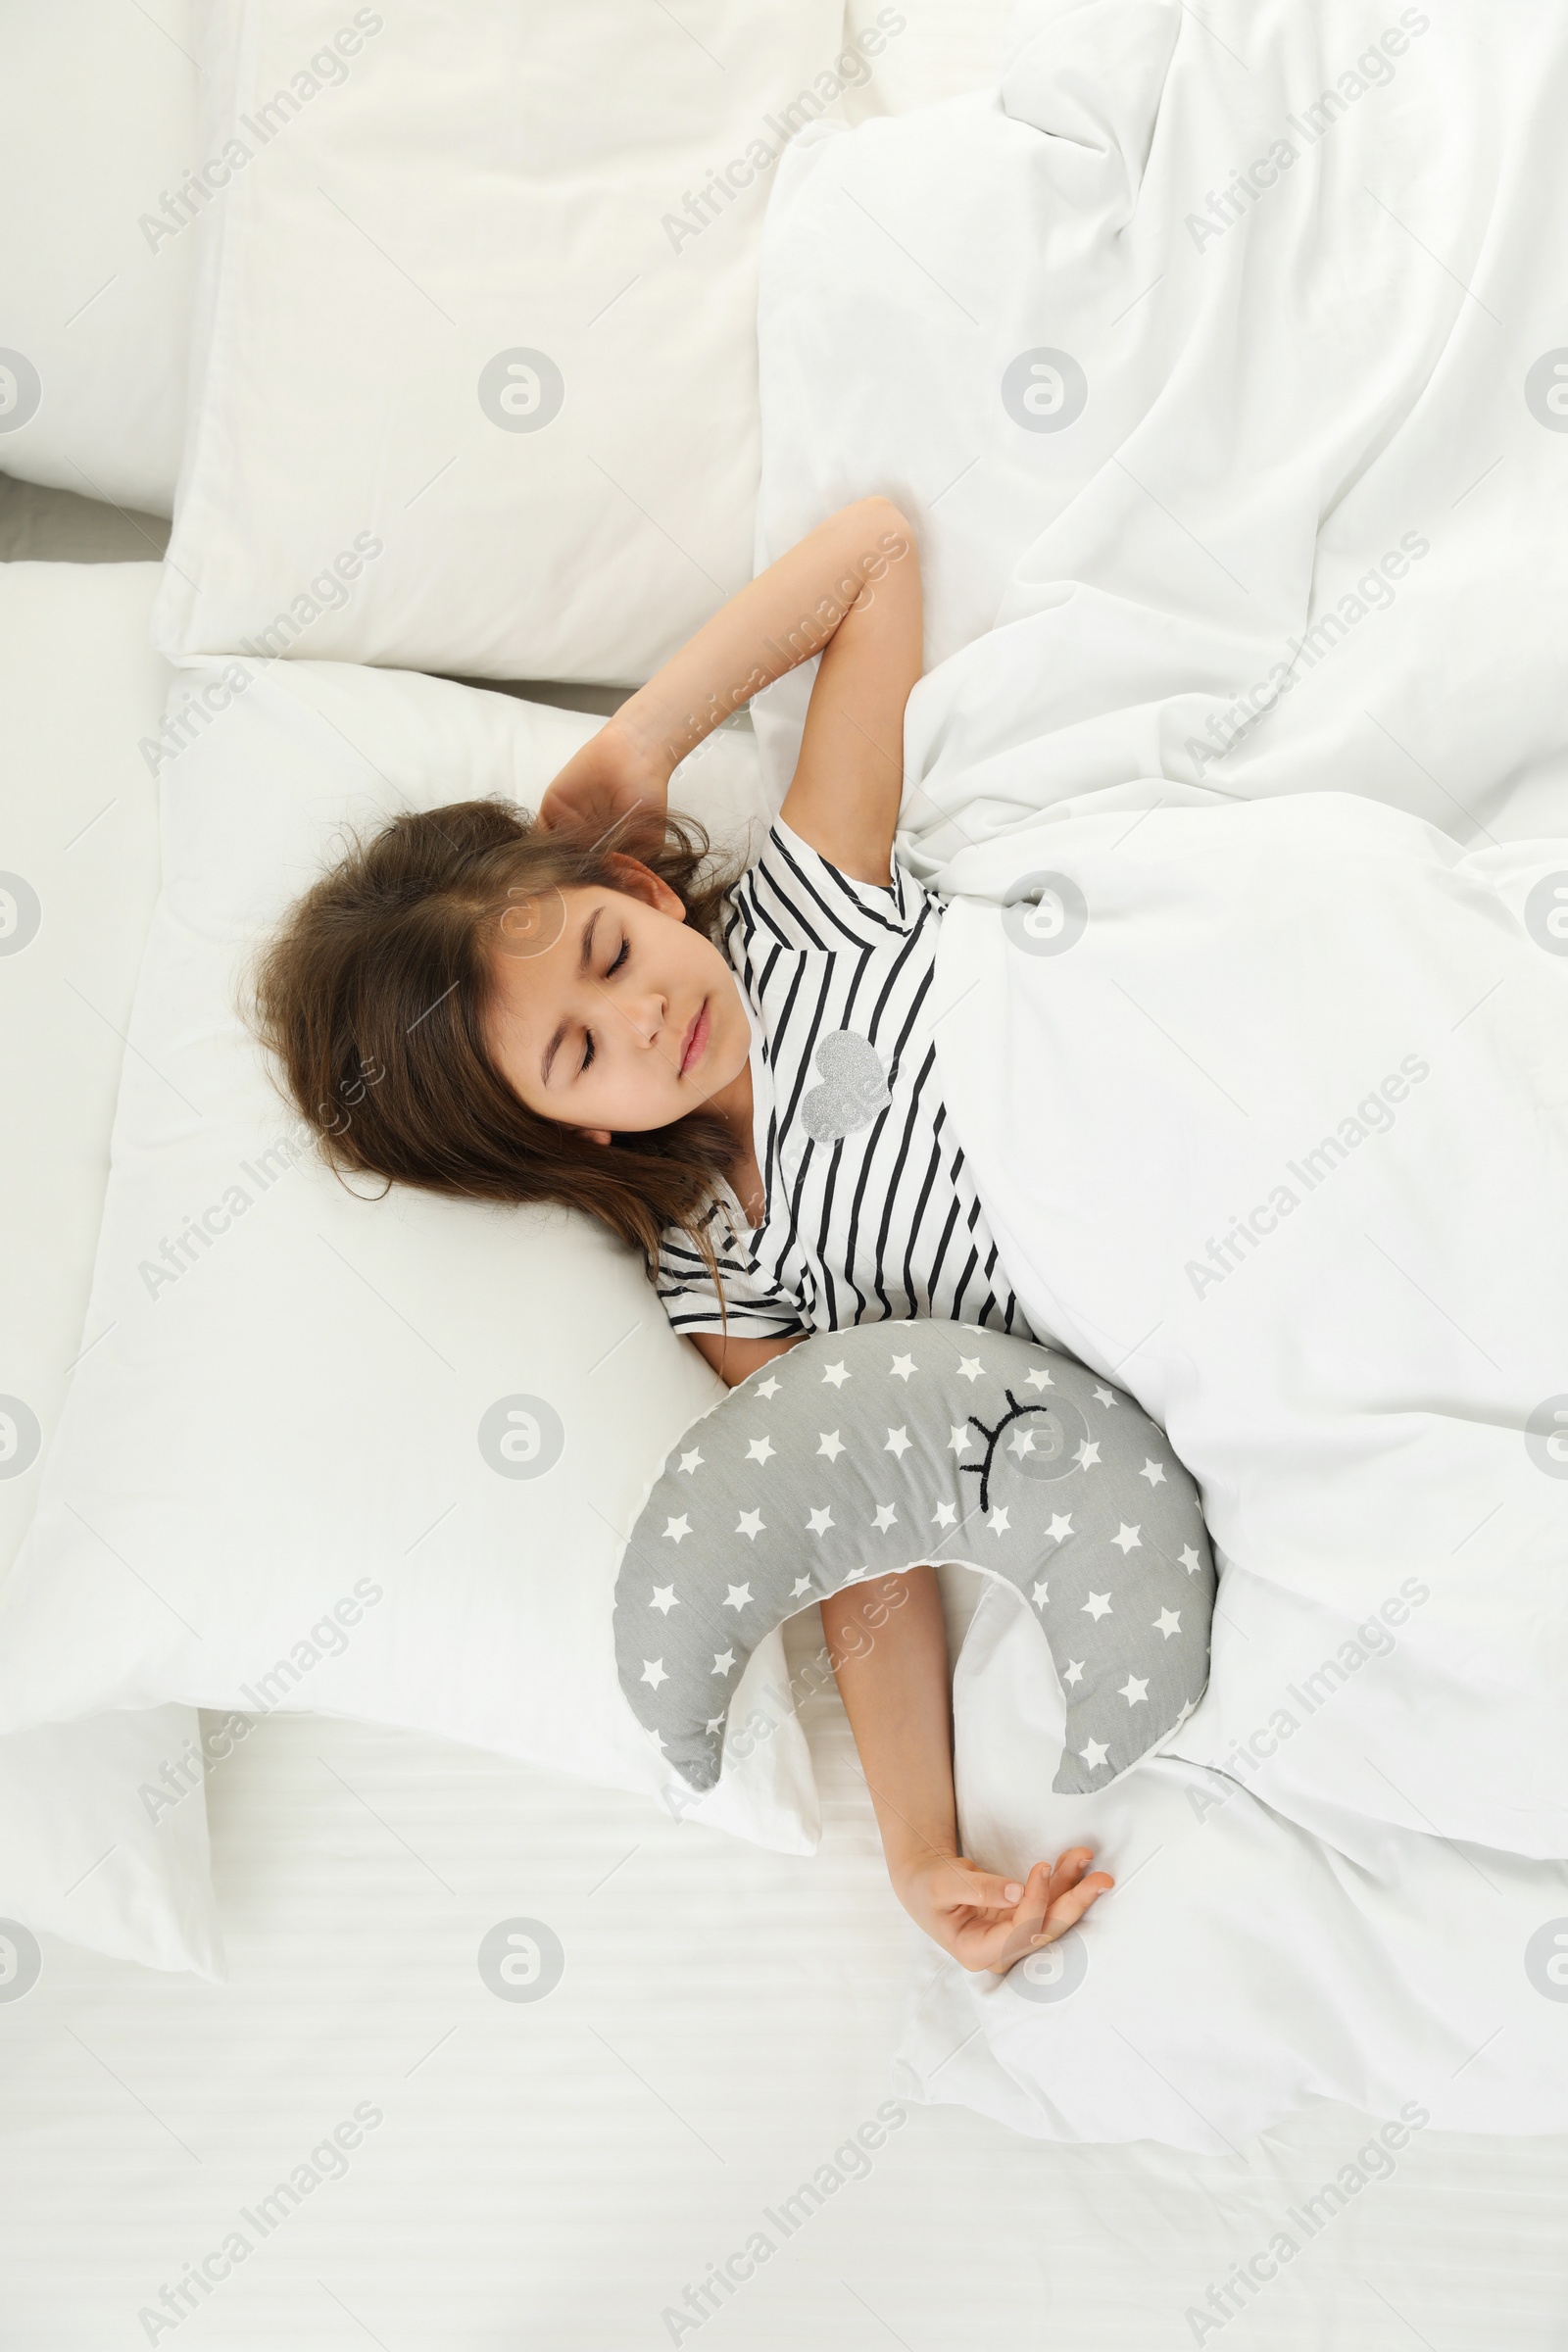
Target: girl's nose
<point>648,1020</point>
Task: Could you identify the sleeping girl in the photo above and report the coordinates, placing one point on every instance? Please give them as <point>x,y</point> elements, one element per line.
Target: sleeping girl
<point>735,1073</point>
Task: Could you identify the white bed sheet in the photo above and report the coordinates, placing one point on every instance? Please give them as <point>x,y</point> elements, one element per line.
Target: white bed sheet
<point>558,2173</point>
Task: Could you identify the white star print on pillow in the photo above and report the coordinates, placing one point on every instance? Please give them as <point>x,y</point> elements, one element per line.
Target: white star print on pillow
<point>988,1461</point>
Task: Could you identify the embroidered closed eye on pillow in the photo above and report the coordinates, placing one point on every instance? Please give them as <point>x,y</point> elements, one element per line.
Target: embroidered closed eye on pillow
<point>867,1451</point>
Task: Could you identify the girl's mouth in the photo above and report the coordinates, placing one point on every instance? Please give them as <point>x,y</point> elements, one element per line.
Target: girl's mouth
<point>696,1038</point>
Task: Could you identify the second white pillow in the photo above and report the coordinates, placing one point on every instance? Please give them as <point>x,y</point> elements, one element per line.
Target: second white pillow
<point>294,1469</point>
<point>485,294</point>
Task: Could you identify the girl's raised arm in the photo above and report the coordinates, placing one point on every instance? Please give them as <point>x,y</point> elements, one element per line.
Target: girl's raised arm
<point>850,591</point>
<point>849,779</point>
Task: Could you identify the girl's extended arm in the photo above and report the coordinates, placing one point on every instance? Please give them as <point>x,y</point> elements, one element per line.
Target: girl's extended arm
<point>889,1650</point>
<point>888,1647</point>
<point>850,591</point>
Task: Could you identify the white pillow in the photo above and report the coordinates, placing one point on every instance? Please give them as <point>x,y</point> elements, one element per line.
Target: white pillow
<point>97,129</point>
<point>104,1843</point>
<point>441,208</point>
<point>275,1483</point>
<point>82,1854</point>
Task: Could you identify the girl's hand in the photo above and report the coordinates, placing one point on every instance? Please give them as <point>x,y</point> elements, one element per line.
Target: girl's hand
<point>612,775</point>
<point>987,1922</point>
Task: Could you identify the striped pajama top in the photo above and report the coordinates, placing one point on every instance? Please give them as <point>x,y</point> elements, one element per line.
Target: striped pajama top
<point>871,1213</point>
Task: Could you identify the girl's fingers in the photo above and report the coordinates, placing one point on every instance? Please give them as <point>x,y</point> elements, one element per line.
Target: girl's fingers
<point>1069,1870</point>
<point>1044,1911</point>
<point>1011,1937</point>
<point>1036,1893</point>
<point>983,1890</point>
<point>1067,1909</point>
<point>1069,1867</point>
<point>1010,1940</point>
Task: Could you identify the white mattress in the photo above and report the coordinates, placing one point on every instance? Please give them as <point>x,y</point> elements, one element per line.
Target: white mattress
<point>558,2173</point>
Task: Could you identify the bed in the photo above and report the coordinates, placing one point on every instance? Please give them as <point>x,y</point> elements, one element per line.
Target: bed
<point>740,2043</point>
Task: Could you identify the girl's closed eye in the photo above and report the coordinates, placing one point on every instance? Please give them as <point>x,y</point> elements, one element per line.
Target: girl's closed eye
<point>588,1049</point>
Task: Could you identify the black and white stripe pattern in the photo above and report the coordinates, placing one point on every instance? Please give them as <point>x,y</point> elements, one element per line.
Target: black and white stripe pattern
<point>878,1224</point>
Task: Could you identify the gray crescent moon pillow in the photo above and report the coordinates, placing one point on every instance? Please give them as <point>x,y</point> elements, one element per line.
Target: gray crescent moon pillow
<point>876,1448</point>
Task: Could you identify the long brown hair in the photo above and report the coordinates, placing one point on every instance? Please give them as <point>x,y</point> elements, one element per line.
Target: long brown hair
<point>372,995</point>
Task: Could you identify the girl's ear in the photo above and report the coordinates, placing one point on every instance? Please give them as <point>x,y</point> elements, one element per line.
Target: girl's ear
<point>638,881</point>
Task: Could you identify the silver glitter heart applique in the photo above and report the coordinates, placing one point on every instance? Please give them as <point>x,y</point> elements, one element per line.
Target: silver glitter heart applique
<point>853,1088</point>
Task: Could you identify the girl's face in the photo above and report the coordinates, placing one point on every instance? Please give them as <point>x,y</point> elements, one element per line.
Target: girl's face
<point>609,1012</point>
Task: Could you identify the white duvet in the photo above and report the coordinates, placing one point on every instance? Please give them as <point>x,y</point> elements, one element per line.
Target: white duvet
<point>1249,673</point>
<point>1281,1140</point>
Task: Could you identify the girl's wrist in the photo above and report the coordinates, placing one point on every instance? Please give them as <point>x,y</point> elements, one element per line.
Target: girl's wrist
<point>910,1856</point>
<point>639,752</point>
